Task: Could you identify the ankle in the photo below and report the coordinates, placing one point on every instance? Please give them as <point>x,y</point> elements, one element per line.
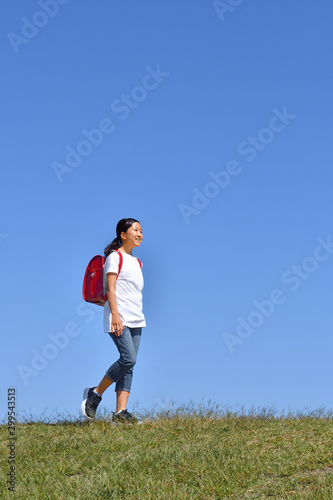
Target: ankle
<point>119,410</point>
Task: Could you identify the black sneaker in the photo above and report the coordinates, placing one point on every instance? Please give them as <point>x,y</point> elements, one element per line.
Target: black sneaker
<point>90,402</point>
<point>125,417</point>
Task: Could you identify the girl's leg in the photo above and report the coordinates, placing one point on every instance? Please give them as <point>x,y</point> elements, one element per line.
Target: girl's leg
<point>127,353</point>
<point>121,371</point>
<point>103,385</point>
<point>122,398</point>
<point>126,379</point>
<point>124,383</point>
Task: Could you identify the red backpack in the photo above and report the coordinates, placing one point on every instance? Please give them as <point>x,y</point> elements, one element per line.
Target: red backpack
<point>93,279</point>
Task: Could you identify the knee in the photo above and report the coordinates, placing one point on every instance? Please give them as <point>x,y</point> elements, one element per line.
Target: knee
<point>129,361</point>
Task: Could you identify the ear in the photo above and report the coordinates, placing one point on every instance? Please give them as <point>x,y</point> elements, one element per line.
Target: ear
<point>123,236</point>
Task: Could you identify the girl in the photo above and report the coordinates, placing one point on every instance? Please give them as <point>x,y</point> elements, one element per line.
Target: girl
<point>123,319</point>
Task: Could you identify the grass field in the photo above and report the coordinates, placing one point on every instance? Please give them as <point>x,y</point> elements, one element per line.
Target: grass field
<point>180,453</point>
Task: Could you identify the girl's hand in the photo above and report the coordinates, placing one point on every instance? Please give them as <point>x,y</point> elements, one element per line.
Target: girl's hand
<point>116,325</point>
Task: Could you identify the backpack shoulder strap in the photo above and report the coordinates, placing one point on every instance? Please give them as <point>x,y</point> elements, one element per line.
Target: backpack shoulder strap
<point>139,262</point>
<point>120,261</point>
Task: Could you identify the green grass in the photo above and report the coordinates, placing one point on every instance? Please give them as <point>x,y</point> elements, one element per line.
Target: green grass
<point>181,453</point>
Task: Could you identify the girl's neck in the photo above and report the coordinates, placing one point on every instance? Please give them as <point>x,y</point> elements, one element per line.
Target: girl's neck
<point>126,249</point>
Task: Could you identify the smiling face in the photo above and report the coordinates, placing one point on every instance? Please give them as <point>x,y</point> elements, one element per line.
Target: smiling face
<point>133,236</point>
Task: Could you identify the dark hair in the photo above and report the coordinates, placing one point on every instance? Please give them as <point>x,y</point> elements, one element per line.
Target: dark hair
<point>122,227</point>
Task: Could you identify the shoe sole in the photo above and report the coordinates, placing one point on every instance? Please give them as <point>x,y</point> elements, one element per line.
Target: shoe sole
<point>83,408</point>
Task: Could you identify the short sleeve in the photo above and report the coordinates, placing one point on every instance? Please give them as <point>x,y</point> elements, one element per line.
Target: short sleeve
<point>112,263</point>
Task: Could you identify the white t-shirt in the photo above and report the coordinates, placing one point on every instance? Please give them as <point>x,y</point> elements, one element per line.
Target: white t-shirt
<point>129,286</point>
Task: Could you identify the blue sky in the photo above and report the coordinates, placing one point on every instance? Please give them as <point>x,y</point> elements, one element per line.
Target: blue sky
<point>210,122</point>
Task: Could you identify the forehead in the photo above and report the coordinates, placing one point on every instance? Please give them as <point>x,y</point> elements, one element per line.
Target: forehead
<point>136,225</point>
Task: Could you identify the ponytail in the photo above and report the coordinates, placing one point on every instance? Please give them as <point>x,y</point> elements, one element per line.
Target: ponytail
<point>122,227</point>
<point>114,245</point>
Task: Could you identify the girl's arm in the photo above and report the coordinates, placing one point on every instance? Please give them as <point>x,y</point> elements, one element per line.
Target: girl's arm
<point>116,323</point>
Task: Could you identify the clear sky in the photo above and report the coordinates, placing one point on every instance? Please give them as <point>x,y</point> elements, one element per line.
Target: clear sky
<point>210,123</point>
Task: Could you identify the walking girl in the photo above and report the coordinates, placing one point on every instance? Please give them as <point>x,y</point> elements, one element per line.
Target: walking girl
<point>123,319</point>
